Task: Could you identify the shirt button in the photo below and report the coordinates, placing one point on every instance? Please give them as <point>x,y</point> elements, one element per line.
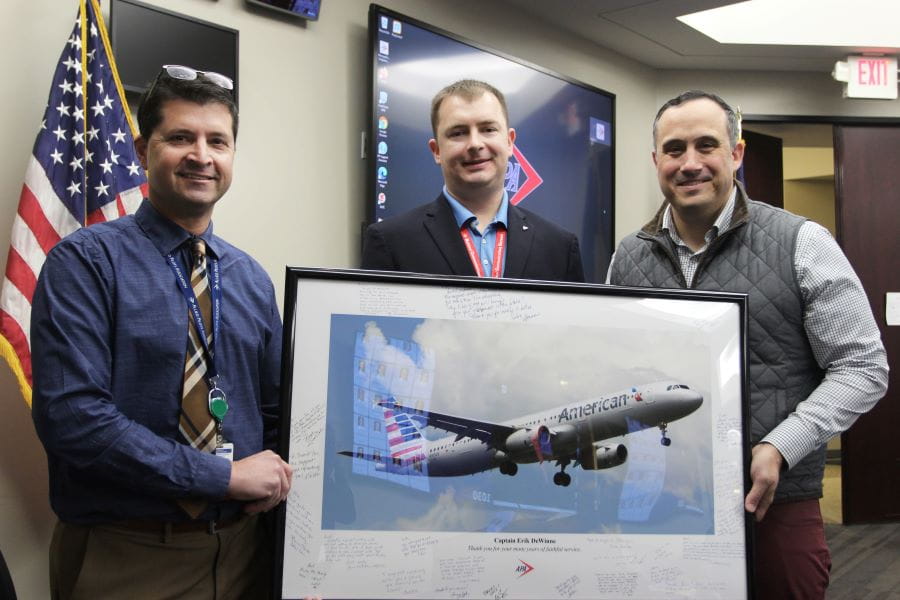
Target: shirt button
<point>485,261</point>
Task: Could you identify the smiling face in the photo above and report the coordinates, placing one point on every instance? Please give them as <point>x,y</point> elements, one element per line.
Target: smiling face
<point>694,160</point>
<point>189,158</point>
<point>473,144</point>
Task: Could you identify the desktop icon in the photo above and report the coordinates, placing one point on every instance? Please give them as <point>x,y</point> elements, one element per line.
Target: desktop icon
<point>398,27</point>
<point>382,97</point>
<point>600,131</point>
<point>384,23</point>
<point>382,122</point>
<point>382,173</point>
<point>382,73</point>
<point>382,147</point>
<point>382,198</point>
<point>384,47</point>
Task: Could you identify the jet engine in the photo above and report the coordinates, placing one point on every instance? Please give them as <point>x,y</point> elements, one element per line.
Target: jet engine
<point>604,457</point>
<point>541,443</point>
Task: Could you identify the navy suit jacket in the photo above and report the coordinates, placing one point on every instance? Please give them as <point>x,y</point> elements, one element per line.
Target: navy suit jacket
<point>427,240</point>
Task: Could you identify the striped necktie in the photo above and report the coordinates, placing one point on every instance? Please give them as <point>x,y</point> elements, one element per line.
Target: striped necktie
<point>195,423</point>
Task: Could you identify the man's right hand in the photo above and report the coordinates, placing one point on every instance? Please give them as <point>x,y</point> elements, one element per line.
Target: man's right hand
<point>263,479</point>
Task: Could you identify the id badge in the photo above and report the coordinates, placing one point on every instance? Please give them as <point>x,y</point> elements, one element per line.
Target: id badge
<point>226,451</point>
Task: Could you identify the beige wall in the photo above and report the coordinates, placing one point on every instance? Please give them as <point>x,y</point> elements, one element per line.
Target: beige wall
<point>809,184</point>
<point>776,93</point>
<point>303,106</point>
<point>813,200</point>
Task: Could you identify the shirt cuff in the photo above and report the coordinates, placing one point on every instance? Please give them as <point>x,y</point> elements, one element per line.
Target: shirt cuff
<point>793,440</point>
<point>215,476</point>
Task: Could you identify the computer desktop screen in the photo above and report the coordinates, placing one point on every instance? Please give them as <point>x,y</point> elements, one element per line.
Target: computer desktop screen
<point>563,162</point>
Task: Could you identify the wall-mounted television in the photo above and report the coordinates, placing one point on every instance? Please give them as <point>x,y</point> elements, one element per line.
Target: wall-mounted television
<point>145,37</point>
<point>564,155</point>
<point>306,9</point>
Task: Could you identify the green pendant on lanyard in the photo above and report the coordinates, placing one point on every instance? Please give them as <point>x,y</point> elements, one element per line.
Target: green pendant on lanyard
<point>218,405</point>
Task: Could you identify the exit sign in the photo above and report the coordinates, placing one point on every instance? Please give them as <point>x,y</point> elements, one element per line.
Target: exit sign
<point>872,77</point>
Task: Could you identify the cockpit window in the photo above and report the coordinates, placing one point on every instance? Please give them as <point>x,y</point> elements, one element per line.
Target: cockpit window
<point>677,386</point>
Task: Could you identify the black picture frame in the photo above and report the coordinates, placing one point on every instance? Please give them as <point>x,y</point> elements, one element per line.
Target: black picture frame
<point>373,516</point>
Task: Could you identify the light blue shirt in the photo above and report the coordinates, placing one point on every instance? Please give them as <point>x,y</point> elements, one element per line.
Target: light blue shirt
<point>485,243</point>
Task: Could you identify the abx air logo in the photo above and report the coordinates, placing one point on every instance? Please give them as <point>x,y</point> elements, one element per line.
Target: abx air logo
<point>521,178</point>
<point>524,568</point>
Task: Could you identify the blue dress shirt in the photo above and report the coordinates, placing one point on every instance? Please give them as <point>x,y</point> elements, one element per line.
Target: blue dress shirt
<point>486,239</point>
<point>109,335</point>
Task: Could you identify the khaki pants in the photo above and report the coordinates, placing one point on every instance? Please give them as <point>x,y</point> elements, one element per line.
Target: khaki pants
<point>94,562</point>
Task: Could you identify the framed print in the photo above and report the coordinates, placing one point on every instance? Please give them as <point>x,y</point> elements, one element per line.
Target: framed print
<point>478,438</point>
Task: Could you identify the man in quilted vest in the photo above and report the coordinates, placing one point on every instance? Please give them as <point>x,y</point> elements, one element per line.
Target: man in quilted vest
<point>815,357</point>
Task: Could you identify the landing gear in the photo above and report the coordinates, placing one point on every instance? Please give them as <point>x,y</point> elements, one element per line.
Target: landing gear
<point>665,441</point>
<point>509,468</point>
<point>562,478</point>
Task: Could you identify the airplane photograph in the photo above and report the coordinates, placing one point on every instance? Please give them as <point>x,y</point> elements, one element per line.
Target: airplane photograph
<point>460,425</point>
<point>565,435</point>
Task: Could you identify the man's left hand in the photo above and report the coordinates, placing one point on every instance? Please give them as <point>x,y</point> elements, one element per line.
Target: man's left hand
<point>765,469</point>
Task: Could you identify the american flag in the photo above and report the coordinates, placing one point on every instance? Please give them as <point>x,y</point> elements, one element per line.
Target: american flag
<point>83,170</point>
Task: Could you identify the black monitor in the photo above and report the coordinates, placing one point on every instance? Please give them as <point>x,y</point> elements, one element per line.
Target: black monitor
<point>145,37</point>
<point>564,155</point>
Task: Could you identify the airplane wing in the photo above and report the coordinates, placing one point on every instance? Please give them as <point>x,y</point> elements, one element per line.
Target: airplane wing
<point>490,433</point>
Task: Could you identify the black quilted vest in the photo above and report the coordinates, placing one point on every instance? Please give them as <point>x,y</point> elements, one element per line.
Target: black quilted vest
<point>754,256</point>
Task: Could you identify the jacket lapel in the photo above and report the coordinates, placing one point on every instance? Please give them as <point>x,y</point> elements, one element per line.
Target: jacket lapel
<point>518,243</point>
<point>441,225</point>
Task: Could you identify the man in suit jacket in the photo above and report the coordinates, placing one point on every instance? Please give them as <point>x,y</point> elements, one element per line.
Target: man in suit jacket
<point>471,229</point>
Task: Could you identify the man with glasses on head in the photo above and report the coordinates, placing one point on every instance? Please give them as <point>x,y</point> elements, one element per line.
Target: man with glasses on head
<point>815,357</point>
<point>156,351</point>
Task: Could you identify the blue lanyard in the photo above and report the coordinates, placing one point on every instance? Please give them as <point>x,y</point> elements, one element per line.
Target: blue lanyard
<point>215,291</point>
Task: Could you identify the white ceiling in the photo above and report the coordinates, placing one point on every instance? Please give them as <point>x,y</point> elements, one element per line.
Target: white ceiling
<point>648,31</point>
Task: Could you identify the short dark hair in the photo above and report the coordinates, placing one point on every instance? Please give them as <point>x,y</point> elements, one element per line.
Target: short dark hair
<point>732,121</point>
<point>469,90</point>
<point>200,91</point>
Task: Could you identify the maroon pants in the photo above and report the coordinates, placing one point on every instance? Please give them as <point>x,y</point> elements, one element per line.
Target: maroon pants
<point>792,559</point>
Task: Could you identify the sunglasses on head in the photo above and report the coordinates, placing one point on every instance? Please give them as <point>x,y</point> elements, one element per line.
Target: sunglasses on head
<point>189,74</point>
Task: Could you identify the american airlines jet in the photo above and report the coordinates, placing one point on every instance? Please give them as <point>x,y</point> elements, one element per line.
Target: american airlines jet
<point>570,433</point>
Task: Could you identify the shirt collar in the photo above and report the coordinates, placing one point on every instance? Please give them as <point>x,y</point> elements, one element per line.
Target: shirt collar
<point>720,226</point>
<point>463,215</point>
<point>166,235</point>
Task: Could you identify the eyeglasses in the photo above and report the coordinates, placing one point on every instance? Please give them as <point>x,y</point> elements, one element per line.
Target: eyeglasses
<point>189,74</point>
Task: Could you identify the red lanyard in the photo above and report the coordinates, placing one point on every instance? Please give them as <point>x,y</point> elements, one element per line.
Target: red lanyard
<point>499,251</point>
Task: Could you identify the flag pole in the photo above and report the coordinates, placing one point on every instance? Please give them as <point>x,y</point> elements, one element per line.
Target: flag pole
<point>82,15</point>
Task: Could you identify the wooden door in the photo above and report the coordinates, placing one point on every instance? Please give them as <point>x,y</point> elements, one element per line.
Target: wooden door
<point>763,168</point>
<point>867,198</point>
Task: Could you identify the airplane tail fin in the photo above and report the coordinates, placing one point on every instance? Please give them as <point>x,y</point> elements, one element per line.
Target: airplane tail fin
<point>405,442</point>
